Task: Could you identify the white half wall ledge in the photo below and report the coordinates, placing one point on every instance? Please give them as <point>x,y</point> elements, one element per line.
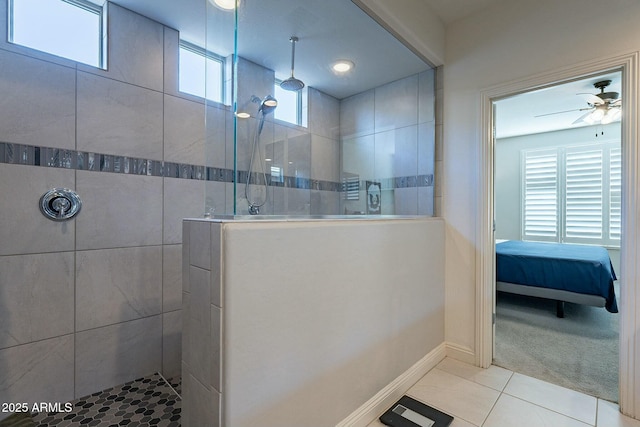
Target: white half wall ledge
<point>413,23</point>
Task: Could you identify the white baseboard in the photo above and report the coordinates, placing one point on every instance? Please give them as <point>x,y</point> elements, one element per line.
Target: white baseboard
<point>389,395</point>
<point>460,353</point>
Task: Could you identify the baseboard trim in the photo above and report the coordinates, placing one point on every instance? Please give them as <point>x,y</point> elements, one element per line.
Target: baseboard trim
<point>386,397</point>
<point>460,353</point>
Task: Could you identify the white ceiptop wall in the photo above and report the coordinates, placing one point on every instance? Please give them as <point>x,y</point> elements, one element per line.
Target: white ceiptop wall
<point>302,322</point>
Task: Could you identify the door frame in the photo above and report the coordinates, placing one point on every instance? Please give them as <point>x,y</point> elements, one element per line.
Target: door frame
<point>629,297</point>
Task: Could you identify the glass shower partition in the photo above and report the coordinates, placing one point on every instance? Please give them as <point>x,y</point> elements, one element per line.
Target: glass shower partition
<point>347,143</point>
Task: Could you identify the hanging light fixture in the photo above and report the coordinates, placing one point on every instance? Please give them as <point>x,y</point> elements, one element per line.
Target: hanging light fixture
<point>225,4</point>
<point>604,107</point>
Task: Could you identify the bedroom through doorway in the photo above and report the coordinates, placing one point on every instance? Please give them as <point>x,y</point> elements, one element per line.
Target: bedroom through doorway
<point>557,203</point>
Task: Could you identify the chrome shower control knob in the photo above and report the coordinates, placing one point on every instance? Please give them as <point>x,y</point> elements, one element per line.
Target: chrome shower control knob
<point>60,204</point>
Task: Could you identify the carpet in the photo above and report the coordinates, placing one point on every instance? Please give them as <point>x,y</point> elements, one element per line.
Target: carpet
<point>579,352</point>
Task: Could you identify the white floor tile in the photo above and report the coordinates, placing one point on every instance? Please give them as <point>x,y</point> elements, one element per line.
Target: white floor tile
<point>510,412</point>
<point>494,377</point>
<point>609,416</point>
<point>559,399</point>
<point>455,396</point>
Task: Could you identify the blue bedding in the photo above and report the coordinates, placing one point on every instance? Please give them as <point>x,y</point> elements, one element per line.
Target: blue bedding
<point>574,268</point>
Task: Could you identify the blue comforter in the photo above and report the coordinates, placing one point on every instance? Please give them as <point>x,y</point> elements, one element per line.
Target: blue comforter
<point>575,268</point>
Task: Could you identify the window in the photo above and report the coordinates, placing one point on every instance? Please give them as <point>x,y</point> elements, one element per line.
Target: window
<point>289,105</point>
<point>201,72</point>
<point>72,29</point>
<point>573,194</point>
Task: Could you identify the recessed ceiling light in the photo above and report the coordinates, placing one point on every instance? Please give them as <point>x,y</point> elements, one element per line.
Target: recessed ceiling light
<point>225,4</point>
<point>242,115</point>
<point>342,66</point>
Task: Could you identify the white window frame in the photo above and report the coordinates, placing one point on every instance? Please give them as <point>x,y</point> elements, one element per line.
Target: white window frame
<point>211,56</point>
<point>610,193</point>
<point>299,105</point>
<point>100,10</point>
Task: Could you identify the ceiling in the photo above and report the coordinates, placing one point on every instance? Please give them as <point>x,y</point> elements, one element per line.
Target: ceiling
<point>549,109</point>
<point>337,29</point>
<point>328,30</point>
<point>452,10</point>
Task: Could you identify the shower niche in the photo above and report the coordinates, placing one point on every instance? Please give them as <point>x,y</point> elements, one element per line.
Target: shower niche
<point>324,127</point>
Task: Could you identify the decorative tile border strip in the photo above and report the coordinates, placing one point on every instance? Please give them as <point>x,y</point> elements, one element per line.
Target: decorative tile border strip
<point>30,155</point>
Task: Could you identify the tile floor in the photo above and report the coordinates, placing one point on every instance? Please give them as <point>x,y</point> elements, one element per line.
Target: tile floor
<point>497,397</point>
<point>146,402</point>
<point>493,397</point>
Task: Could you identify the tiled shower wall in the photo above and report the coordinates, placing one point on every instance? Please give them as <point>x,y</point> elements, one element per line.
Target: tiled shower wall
<point>388,136</point>
<point>96,301</point>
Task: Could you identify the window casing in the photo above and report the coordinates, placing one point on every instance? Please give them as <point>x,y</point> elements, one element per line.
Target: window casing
<point>202,72</point>
<point>72,29</point>
<point>572,194</point>
<point>289,105</point>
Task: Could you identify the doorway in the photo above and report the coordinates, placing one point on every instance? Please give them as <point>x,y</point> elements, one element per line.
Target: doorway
<point>485,255</point>
<point>557,186</point>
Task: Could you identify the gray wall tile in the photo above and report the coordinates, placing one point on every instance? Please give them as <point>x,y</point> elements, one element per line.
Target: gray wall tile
<point>396,104</point>
<point>184,131</point>
<point>171,277</point>
<point>171,61</point>
<point>38,372</point>
<point>219,137</point>
<point>357,115</point>
<point>119,210</point>
<point>38,102</point>
<point>426,96</point>
<point>171,343</point>
<point>325,158</point>
<point>324,114</point>
<point>198,320</point>
<point>133,59</point>
<point>216,264</point>
<point>216,348</point>
<point>198,407</point>
<point>116,285</point>
<point>118,118</point>
<point>200,244</point>
<point>36,297</point>
<point>183,198</point>
<point>23,228</point>
<point>116,354</point>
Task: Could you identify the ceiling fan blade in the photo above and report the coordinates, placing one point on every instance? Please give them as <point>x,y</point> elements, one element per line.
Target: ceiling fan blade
<point>592,99</point>
<point>616,103</point>
<point>562,112</point>
<point>581,118</point>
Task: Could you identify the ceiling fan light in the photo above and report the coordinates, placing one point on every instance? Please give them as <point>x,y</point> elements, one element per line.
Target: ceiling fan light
<point>597,115</point>
<point>615,113</point>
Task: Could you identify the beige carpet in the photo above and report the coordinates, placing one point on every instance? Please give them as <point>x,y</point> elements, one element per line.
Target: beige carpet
<point>579,352</point>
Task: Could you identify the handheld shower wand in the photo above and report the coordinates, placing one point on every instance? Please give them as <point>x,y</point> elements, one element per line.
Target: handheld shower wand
<point>267,106</point>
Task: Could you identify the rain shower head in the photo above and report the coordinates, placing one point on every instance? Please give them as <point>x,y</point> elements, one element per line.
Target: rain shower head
<point>292,83</point>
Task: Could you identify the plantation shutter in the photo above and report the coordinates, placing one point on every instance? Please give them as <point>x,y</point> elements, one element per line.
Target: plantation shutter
<point>615,194</point>
<point>541,195</point>
<point>583,192</point>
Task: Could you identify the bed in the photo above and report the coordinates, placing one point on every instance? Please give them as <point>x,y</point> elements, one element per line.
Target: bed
<point>563,272</point>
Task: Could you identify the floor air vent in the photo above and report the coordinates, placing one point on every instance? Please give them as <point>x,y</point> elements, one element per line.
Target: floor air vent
<point>408,412</point>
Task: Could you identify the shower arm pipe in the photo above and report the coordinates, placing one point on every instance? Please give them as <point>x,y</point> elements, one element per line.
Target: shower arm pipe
<point>293,41</point>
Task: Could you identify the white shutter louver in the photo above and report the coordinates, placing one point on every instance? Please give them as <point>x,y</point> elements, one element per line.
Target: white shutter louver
<point>583,191</point>
<point>541,195</point>
<point>615,194</point>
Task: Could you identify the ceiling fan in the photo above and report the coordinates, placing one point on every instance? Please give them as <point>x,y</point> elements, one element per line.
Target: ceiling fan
<point>603,108</point>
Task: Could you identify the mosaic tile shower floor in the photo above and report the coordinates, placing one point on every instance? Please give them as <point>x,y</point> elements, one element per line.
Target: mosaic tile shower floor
<point>150,401</point>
